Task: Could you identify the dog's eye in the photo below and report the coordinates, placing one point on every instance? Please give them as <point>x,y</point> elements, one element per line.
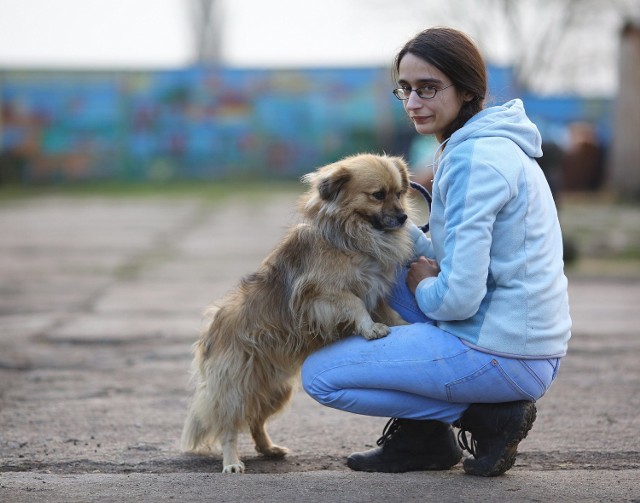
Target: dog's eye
<point>380,195</point>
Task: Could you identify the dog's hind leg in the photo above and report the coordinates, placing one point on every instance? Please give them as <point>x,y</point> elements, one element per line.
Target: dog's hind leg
<point>279,395</point>
<point>230,459</point>
<point>264,444</point>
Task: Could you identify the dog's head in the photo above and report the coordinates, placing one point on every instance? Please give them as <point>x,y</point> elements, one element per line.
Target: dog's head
<point>369,187</point>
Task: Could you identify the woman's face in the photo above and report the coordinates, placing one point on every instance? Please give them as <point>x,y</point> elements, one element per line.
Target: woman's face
<point>429,116</point>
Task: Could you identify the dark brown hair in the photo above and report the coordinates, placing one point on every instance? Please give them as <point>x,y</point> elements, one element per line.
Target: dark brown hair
<point>456,55</point>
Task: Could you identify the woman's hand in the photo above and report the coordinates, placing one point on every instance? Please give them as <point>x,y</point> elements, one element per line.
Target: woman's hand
<point>419,270</point>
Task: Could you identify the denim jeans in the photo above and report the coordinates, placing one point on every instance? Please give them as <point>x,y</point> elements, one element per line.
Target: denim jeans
<point>419,372</point>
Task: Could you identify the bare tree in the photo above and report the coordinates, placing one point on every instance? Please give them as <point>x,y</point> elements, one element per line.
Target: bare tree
<point>207,20</point>
<point>553,46</point>
<point>565,42</point>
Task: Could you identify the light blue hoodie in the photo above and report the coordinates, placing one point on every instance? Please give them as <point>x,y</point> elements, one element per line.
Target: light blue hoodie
<point>496,236</point>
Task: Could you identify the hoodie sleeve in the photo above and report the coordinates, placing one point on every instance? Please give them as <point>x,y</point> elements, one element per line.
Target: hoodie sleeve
<point>473,192</point>
<point>422,245</point>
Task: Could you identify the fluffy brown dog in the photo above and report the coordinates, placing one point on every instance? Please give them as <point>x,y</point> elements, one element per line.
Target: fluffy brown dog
<point>327,279</point>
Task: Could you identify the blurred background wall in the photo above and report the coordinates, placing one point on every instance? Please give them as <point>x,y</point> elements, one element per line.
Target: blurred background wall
<point>322,93</point>
<point>212,123</point>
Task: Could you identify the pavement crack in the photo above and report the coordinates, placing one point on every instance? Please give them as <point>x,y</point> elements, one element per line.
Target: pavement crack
<point>163,246</point>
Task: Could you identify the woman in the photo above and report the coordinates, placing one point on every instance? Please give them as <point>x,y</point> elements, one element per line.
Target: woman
<point>486,299</point>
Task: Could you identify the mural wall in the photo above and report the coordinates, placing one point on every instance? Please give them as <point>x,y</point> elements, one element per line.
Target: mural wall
<point>199,123</point>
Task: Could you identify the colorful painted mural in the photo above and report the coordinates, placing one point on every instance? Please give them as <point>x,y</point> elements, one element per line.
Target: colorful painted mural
<point>198,123</point>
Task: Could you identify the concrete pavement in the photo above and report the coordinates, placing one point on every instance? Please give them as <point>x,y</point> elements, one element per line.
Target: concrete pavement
<point>101,299</point>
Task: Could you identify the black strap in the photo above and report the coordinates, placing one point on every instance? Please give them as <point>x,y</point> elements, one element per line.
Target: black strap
<point>425,193</point>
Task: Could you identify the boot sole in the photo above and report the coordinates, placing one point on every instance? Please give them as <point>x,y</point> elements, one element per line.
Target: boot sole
<point>426,465</point>
<point>508,459</point>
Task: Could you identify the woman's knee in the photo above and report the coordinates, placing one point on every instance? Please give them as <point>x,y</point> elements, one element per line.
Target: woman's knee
<point>316,375</point>
<point>317,367</point>
<point>309,373</point>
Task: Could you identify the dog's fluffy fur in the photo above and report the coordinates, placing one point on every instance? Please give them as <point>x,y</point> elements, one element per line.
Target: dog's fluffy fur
<point>327,279</point>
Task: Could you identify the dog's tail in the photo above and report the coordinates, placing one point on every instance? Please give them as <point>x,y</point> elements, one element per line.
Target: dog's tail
<point>216,406</point>
<point>194,432</point>
<point>200,425</point>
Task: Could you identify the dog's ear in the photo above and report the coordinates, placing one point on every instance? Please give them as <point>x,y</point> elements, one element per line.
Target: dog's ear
<point>401,165</point>
<point>331,182</point>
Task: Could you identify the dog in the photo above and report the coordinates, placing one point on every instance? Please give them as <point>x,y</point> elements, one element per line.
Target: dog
<point>327,279</point>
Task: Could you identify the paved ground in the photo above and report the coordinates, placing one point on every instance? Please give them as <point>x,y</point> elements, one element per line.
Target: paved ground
<point>101,299</point>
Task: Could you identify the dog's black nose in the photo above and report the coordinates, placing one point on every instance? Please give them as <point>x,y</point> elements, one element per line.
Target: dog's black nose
<point>389,221</point>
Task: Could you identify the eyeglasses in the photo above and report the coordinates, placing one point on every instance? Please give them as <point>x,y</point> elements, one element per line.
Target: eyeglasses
<point>425,92</point>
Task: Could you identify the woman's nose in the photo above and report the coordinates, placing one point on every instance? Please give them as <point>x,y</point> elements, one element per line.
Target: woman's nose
<point>414,101</point>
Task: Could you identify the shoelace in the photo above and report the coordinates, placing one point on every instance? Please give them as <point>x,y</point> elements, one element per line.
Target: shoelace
<point>389,429</point>
<point>468,444</point>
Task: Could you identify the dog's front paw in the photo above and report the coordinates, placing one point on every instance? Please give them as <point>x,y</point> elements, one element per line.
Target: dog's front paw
<point>377,331</point>
<point>234,468</point>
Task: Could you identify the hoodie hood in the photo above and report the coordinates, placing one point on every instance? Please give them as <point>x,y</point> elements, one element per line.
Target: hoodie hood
<point>506,121</point>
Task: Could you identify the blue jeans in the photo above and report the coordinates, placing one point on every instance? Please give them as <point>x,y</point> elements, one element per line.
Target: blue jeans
<point>419,371</point>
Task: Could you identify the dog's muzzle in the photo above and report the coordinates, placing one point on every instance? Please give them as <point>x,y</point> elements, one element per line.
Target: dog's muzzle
<point>386,222</point>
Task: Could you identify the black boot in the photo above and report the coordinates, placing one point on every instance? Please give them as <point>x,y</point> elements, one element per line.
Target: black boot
<point>496,430</point>
<point>409,445</point>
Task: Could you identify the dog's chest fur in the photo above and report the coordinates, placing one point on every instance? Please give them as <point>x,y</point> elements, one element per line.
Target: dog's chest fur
<point>371,279</point>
